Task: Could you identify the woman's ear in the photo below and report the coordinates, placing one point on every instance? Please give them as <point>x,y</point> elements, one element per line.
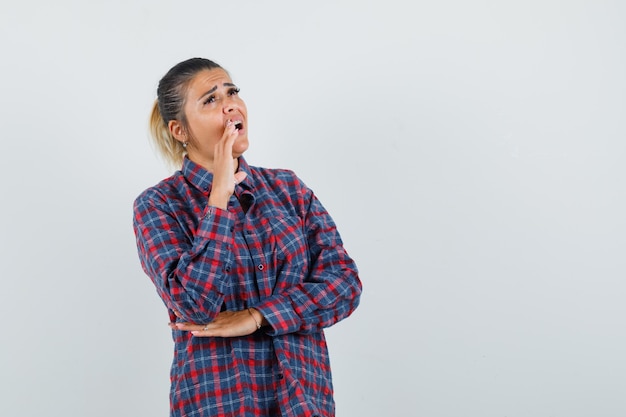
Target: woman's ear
<point>177,131</point>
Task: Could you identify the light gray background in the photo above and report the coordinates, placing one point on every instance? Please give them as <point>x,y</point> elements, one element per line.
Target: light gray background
<point>471,153</point>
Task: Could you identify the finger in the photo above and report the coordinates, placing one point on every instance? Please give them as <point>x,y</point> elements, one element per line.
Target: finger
<point>240,176</point>
<point>211,330</point>
<point>214,332</point>
<point>190,327</point>
<point>223,149</point>
<point>229,324</point>
<point>230,134</point>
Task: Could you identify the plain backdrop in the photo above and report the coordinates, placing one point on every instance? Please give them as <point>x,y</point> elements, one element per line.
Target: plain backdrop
<point>471,152</point>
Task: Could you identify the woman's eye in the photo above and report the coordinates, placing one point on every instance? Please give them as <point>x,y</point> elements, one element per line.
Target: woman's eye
<point>233,91</point>
<point>209,99</point>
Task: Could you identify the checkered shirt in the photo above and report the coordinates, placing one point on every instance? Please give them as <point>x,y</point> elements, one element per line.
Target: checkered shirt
<point>275,249</point>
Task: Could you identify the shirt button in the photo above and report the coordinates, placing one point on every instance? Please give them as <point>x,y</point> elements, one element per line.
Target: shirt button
<point>227,269</point>
<point>260,267</point>
<point>280,376</point>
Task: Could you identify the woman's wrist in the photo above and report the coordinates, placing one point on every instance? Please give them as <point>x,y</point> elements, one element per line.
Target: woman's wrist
<point>259,320</point>
<point>216,200</point>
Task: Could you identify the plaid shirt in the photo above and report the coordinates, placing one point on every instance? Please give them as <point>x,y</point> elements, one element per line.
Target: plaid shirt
<point>275,249</point>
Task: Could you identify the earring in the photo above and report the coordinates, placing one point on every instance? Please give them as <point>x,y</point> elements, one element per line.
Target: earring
<point>185,144</point>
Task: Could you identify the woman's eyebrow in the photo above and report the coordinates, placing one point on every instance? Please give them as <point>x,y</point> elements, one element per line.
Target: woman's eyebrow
<point>212,90</point>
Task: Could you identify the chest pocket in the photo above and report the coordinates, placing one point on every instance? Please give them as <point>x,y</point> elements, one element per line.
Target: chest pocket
<point>289,251</point>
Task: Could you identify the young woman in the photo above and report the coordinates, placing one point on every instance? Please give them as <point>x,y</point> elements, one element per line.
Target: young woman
<point>247,261</point>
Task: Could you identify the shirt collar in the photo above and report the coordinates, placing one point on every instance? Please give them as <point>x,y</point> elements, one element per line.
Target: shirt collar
<point>248,182</point>
<point>202,179</point>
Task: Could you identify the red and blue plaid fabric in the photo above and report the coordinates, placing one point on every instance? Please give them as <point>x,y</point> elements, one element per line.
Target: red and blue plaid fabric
<point>275,249</point>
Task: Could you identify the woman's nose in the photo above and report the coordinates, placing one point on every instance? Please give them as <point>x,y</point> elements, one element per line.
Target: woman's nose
<point>229,106</point>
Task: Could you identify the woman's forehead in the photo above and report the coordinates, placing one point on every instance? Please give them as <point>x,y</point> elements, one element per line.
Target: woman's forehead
<point>211,78</point>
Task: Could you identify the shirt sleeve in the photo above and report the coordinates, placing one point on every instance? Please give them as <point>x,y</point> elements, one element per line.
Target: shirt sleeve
<point>189,270</point>
<point>332,288</point>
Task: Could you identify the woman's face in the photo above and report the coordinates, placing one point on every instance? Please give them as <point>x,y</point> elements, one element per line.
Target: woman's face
<point>212,100</point>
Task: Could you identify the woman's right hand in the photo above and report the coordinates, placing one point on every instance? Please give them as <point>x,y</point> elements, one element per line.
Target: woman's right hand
<point>226,324</point>
<point>224,167</point>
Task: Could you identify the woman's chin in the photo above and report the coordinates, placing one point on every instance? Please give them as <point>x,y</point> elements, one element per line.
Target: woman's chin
<point>239,147</point>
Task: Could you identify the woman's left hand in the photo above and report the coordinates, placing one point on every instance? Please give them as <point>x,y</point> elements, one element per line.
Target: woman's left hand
<point>226,324</point>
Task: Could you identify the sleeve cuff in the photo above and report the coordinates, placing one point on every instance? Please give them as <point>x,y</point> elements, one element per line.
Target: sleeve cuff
<point>216,224</point>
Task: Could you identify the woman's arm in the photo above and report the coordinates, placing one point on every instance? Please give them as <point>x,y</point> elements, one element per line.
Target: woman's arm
<point>332,288</point>
<point>190,269</point>
<point>189,272</point>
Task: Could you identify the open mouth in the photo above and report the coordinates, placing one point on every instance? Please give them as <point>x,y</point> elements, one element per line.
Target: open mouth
<point>238,125</point>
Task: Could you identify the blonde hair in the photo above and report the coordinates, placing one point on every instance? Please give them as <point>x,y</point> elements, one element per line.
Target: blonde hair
<point>170,149</point>
<point>170,104</point>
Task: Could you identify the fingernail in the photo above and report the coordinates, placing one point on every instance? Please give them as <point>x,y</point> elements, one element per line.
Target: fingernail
<point>229,122</point>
